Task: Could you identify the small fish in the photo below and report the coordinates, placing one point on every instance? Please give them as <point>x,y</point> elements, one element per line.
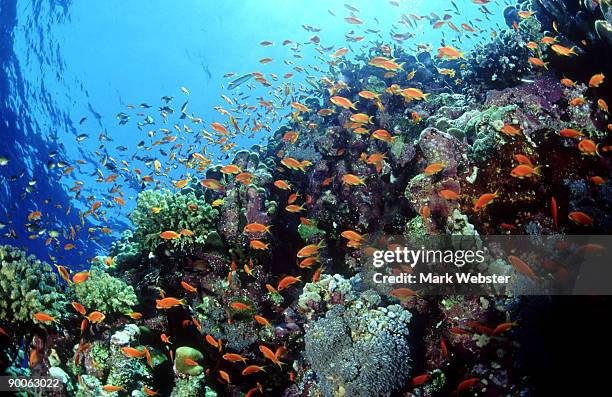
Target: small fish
<point>484,200</point>
<point>44,317</point>
<point>112,388</point>
<point>288,281</point>
<point>96,317</point>
<point>596,80</point>
<point>132,352</point>
<point>342,102</point>
<point>580,218</point>
<point>434,168</point>
<point>352,180</point>
<point>169,235</point>
<point>169,302</point>
<point>232,357</point>
<point>225,376</point>
<point>522,267</point>
<point>188,287</point>
<point>466,384</point>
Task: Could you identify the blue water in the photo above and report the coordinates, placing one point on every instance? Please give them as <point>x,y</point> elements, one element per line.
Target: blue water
<point>68,68</point>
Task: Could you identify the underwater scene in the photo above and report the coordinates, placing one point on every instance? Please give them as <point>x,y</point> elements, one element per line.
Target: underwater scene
<point>305,198</point>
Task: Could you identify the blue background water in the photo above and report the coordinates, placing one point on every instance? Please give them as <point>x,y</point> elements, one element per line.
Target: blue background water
<point>62,61</point>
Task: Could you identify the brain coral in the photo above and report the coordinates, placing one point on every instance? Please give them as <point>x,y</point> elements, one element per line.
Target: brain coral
<point>359,348</point>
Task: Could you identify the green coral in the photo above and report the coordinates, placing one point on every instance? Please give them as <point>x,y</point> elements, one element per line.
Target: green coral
<point>105,293</point>
<point>27,286</point>
<point>307,232</point>
<point>177,211</point>
<point>484,128</point>
<point>183,353</point>
<point>192,386</point>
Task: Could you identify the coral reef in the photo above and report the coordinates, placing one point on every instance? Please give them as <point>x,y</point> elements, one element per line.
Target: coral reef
<point>357,347</point>
<point>105,293</point>
<point>174,212</point>
<point>28,286</point>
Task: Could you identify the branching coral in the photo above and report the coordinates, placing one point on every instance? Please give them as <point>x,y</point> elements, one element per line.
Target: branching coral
<point>159,211</point>
<point>27,286</point>
<point>105,293</point>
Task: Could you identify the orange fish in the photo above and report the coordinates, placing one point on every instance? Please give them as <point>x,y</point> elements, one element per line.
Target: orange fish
<point>190,362</point>
<point>96,317</point>
<point>425,212</point>
<point>553,210</point>
<point>503,327</point>
<point>522,267</point>
<point>262,320</point>
<point>578,101</point>
<point>510,130</point>
<point>132,352</point>
<point>284,185</point>
<point>232,357</point>
<point>134,315</point>
<point>270,355</point>
<point>342,102</point>
<point>288,281</point>
<point>538,62</point>
<point>570,133</point>
<point>421,379</point>
<point>294,208</point>
<point>169,302</point>
<point>230,169</point>
<point>112,388</point>
<point>466,384</point>
<point>450,53</point>
<point>522,159</point>
<point>213,342</point>
<point>448,194</point>
<point>352,180</point>
<point>568,83</point>
<point>524,171</point>
<point>309,250</point>
<point>317,274</point>
<point>596,80</point>
<point>588,147</point>
<point>580,218</point>
<point>224,375</point>
<point>259,245</point>
<point>251,369</point>
<point>383,135</point>
<point>169,235</point>
<point>34,215</point>
<point>484,200</point>
<point>402,293</point>
<point>434,168</point>
<point>63,272</point>
<point>80,277</point>
<point>563,51</point>
<point>256,228</point>
<point>602,105</point>
<point>188,287</point>
<point>212,184</point>
<point>165,338</point>
<point>149,392</point>
<point>44,317</point>
<point>240,306</point>
<point>597,180</point>
<point>79,308</point>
